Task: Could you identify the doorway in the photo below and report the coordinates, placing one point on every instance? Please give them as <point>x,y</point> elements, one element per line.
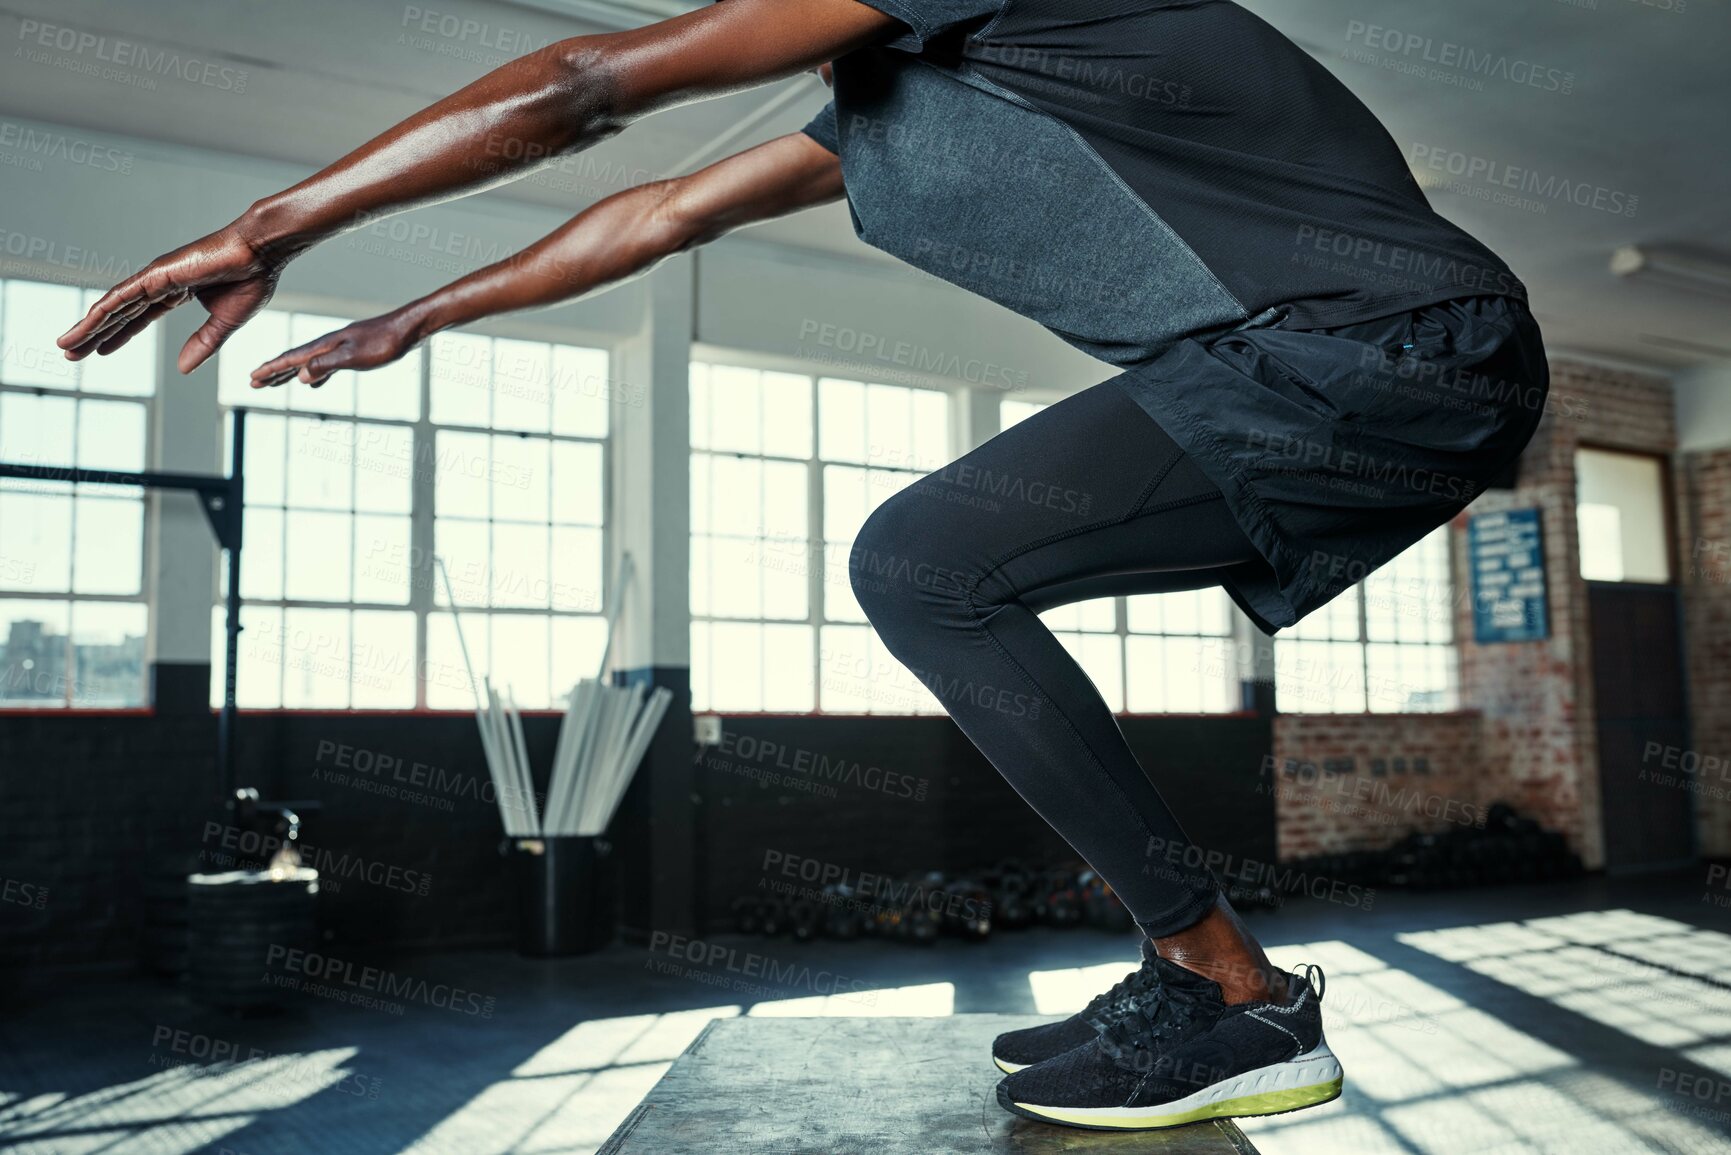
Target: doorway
<point>1635,614</point>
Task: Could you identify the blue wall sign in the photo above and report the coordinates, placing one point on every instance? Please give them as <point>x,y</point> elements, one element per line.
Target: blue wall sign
<point>1507,554</point>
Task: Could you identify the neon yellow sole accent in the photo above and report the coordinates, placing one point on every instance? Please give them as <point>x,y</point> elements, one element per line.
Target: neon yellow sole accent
<point>1267,1103</point>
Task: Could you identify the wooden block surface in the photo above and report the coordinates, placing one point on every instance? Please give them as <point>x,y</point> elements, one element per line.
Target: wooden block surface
<point>863,1086</point>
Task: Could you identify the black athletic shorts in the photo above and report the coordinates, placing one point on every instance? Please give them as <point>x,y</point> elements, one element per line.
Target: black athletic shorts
<point>1338,448</point>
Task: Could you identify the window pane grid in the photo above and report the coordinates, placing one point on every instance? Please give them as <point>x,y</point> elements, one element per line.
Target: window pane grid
<point>1384,646</point>
<point>327,511</point>
<point>785,468</point>
<point>519,492</point>
<point>1179,653</point>
<point>1154,653</point>
<point>73,617</point>
<point>489,453</point>
<point>873,441</point>
<point>750,554</point>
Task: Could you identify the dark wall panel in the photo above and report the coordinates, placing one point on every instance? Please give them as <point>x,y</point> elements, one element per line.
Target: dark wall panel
<point>90,806</point>
<point>399,818</point>
<point>852,797</point>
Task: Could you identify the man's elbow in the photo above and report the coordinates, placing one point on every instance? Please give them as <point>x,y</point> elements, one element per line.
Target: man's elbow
<point>588,79</point>
<point>678,218</point>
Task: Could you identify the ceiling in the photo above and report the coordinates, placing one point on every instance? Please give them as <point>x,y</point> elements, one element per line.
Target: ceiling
<point>1649,97</point>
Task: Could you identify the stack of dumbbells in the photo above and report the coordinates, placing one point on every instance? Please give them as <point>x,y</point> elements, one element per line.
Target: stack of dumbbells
<point>1507,848</point>
<point>921,908</point>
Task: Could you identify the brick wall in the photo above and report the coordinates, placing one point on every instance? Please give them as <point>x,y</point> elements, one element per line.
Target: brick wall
<point>1360,782</point>
<point>1706,479</point>
<point>1537,697</point>
<point>1529,736</point>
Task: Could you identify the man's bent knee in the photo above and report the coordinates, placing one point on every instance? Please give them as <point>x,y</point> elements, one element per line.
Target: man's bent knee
<point>877,561</point>
<point>905,563</point>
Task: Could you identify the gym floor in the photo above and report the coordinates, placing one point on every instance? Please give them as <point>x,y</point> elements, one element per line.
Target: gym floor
<point>1590,1017</point>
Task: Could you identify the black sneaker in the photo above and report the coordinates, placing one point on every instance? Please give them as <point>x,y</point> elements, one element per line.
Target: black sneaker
<point>1181,1055</point>
<point>1016,1050</point>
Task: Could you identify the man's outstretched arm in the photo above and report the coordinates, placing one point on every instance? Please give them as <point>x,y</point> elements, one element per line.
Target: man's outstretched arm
<point>549,104</point>
<point>617,239</point>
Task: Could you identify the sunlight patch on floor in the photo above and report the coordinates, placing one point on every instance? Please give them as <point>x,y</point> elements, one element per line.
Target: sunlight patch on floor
<point>1064,992</point>
<point>182,1108</point>
<point>1428,1073</point>
<point>599,1043</point>
<point>929,1000</point>
<point>1617,968</point>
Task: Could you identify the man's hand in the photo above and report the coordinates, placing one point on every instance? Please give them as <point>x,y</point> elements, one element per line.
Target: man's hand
<point>362,345</point>
<point>225,272</point>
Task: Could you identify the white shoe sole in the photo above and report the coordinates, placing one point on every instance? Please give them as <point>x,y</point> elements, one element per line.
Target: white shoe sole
<point>1008,1067</point>
<point>1307,1081</point>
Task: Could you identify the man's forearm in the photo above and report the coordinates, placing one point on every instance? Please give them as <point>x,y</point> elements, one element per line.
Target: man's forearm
<point>617,239</point>
<point>631,232</point>
<point>515,119</point>
<point>626,234</point>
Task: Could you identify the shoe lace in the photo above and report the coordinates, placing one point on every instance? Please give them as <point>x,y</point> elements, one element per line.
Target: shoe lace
<point>1160,1014</point>
<point>1108,1005</point>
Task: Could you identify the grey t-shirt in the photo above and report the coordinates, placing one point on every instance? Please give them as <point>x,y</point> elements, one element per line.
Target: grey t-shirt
<point>1132,172</point>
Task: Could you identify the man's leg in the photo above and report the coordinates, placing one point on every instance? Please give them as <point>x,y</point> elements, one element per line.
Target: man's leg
<point>1088,495</point>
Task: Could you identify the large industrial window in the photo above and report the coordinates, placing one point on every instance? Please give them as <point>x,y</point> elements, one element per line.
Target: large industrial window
<point>1621,513</point>
<point>1386,645</point>
<point>73,615</point>
<point>486,452</point>
<point>1151,653</point>
<point>785,468</point>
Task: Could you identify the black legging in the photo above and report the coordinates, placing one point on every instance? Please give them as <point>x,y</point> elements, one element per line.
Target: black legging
<point>1088,498</point>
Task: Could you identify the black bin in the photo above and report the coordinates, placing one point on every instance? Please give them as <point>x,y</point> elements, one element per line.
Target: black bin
<point>565,896</point>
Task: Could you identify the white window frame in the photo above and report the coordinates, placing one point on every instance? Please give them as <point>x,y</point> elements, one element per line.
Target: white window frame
<point>424,598</point>
<point>818,555</point>
<point>1443,605</point>
<point>69,703</point>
